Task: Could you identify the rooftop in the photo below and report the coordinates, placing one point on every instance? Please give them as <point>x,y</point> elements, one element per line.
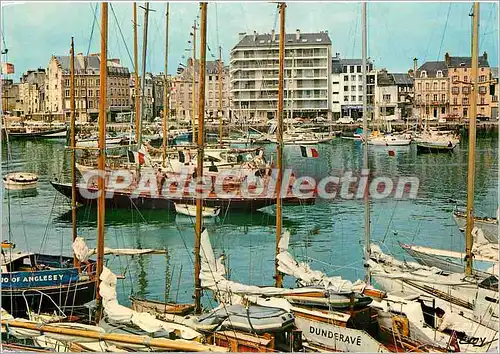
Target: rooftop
<point>91,63</point>
<point>292,39</point>
<point>432,67</point>
<point>402,79</point>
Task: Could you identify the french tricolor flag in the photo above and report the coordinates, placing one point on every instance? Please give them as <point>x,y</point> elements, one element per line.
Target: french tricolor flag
<point>308,152</point>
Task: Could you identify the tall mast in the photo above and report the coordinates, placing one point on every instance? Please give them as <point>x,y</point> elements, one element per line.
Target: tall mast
<point>472,143</point>
<point>279,137</point>
<point>72,144</point>
<point>144,51</point>
<point>166,91</point>
<point>103,78</point>
<point>199,168</point>
<point>136,69</point>
<point>220,96</point>
<point>365,141</point>
<point>193,91</point>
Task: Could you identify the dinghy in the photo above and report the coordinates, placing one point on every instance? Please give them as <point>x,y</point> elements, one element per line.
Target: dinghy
<point>190,210</point>
<point>20,181</point>
<point>489,225</point>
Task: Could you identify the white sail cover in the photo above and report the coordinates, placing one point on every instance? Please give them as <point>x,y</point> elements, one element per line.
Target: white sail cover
<point>83,253</point>
<point>212,276</point>
<point>308,277</point>
<point>122,314</point>
<point>125,315</point>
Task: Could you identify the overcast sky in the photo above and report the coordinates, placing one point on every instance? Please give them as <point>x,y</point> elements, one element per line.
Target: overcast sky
<point>397,32</point>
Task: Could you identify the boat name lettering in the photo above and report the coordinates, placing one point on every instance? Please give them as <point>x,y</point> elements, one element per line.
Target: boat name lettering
<point>32,278</point>
<point>337,336</point>
<point>475,341</point>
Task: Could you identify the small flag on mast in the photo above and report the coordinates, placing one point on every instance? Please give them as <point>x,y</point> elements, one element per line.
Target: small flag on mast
<point>8,68</point>
<point>308,152</point>
<point>136,157</point>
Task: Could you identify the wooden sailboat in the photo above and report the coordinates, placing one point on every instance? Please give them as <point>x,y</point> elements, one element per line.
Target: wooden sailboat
<point>29,278</point>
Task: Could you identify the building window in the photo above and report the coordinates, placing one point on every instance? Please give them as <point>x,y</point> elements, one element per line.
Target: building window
<point>386,98</point>
<point>90,93</point>
<point>494,98</point>
<point>482,100</point>
<point>482,89</point>
<point>455,79</point>
<point>455,101</point>
<point>97,93</point>
<point>353,77</point>
<point>82,82</point>
<point>353,88</point>
<point>465,101</point>
<point>91,82</point>
<point>91,104</point>
<point>482,78</point>
<point>346,88</point>
<point>466,79</point>
<point>97,81</point>
<point>423,73</point>
<point>66,93</point>
<point>443,85</point>
<point>358,68</point>
<point>419,86</point>
<point>466,90</point>
<point>82,93</point>
<point>455,90</point>
<point>427,86</point>
<point>346,77</point>
<point>351,69</point>
<point>427,98</point>
<point>353,98</point>
<point>443,110</point>
<point>435,97</point>
<point>443,97</point>
<point>66,82</point>
<point>439,73</point>
<point>435,85</point>
<point>465,111</point>
<point>346,98</point>
<point>419,98</point>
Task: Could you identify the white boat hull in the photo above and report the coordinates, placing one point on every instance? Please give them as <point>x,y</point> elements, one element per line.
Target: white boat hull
<point>190,210</point>
<point>490,229</point>
<point>94,143</point>
<point>337,338</point>
<point>20,181</point>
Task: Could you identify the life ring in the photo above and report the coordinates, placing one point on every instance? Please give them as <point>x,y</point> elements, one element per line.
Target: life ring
<point>400,325</point>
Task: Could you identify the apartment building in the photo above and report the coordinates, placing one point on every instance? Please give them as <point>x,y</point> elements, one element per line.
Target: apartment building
<point>459,72</point>
<point>494,96</point>
<point>254,70</point>
<point>32,93</point>
<point>182,90</point>
<point>10,95</point>
<point>443,89</point>
<point>393,95</point>
<point>57,87</point>
<point>347,87</point>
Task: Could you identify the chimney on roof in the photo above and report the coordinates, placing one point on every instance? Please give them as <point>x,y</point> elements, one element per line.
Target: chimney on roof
<point>254,36</point>
<point>273,36</point>
<point>241,35</point>
<point>415,66</point>
<point>447,59</point>
<point>297,34</point>
<point>485,56</point>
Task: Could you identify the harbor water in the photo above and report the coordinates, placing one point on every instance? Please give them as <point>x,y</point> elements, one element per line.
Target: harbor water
<point>329,235</point>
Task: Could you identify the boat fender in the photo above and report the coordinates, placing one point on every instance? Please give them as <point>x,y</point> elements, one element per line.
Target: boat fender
<point>400,325</point>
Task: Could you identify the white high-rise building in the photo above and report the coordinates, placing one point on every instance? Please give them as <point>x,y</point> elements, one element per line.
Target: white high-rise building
<point>254,70</point>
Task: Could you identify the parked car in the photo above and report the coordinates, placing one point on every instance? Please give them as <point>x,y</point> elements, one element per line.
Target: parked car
<point>319,119</point>
<point>361,119</point>
<point>345,120</point>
